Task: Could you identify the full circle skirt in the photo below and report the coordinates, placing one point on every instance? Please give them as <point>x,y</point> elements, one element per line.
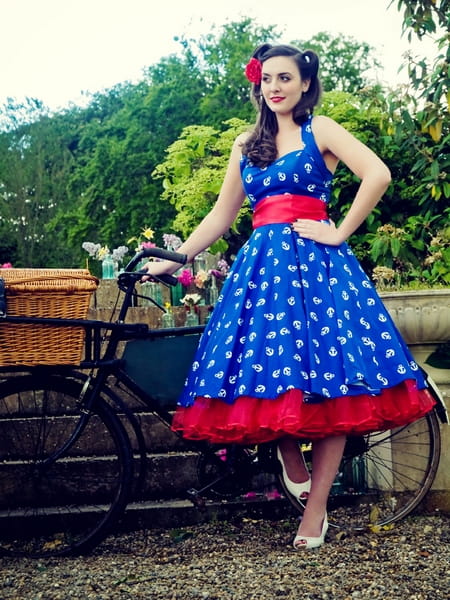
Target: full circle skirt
<point>300,344</point>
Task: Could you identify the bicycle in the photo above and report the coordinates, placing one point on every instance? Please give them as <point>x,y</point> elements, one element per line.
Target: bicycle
<point>59,497</point>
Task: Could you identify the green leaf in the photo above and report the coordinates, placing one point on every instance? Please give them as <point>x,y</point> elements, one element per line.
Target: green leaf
<point>395,246</point>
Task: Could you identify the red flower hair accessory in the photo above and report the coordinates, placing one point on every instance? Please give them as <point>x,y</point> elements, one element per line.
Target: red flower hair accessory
<point>253,71</point>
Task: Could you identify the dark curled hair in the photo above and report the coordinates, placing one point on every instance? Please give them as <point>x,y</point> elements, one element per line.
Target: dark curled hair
<point>260,147</point>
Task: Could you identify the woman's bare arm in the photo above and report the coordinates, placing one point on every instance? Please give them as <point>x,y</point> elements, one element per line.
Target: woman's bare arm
<point>365,164</point>
<point>217,221</point>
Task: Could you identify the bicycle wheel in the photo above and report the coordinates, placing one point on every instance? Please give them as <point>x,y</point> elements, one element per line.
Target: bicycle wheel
<point>383,476</point>
<point>50,504</point>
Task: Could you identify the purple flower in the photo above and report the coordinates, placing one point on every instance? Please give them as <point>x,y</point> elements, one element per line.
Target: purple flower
<point>171,241</point>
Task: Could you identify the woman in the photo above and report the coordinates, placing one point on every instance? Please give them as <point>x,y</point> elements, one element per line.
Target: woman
<point>299,344</point>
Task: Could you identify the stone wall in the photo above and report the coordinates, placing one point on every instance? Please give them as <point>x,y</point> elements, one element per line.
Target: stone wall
<point>108,296</point>
<point>441,377</point>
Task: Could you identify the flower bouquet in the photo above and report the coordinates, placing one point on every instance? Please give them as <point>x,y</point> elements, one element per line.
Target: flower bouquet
<point>191,303</point>
<point>110,260</point>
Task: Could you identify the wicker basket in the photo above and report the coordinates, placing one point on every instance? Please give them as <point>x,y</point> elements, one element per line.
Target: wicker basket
<point>54,293</point>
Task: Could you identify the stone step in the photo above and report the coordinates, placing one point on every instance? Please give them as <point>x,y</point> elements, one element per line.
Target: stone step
<point>163,514</point>
<point>166,476</point>
<point>169,475</point>
<point>157,435</point>
<point>170,514</point>
<point>170,467</point>
<point>83,479</point>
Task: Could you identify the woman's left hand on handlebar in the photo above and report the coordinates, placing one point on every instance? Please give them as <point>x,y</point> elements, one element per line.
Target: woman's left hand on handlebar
<point>156,268</point>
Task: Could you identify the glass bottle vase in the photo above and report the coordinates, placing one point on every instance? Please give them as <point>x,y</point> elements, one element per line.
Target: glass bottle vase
<point>212,292</point>
<point>108,270</point>
<point>191,318</point>
<point>167,320</point>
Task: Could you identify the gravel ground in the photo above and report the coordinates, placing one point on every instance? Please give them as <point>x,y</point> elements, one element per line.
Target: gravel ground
<point>245,559</point>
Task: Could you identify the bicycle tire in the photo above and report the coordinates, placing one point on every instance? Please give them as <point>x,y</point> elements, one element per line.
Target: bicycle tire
<point>68,506</point>
<point>383,476</point>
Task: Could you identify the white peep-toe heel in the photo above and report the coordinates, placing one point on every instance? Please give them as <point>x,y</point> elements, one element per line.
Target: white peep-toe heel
<point>300,491</point>
<point>302,542</point>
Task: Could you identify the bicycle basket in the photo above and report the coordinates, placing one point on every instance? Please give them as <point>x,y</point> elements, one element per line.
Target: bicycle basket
<point>51,293</point>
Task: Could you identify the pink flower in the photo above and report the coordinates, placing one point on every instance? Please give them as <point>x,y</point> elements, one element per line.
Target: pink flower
<point>222,453</point>
<point>148,245</point>
<point>273,495</point>
<point>6,266</point>
<point>186,278</point>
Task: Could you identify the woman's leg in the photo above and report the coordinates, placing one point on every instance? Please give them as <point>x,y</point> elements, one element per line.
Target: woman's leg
<point>326,457</point>
<point>293,460</point>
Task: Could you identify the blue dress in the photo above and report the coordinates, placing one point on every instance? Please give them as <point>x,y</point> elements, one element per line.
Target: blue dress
<point>299,342</point>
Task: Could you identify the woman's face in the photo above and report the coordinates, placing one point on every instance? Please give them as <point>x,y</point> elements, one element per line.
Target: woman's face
<point>281,84</point>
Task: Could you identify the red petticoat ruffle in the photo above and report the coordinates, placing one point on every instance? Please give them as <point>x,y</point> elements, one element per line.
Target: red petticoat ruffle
<point>254,420</point>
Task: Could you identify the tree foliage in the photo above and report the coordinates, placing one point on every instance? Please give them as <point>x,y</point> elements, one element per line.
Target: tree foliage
<point>345,63</point>
<point>419,115</point>
<point>34,167</point>
<point>193,171</point>
<point>154,153</point>
<point>229,93</point>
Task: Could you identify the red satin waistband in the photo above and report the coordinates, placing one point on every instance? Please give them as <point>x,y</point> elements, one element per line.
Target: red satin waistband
<point>285,208</point>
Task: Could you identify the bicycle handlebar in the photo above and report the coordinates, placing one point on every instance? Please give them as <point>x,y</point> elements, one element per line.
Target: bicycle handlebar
<point>157,253</point>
